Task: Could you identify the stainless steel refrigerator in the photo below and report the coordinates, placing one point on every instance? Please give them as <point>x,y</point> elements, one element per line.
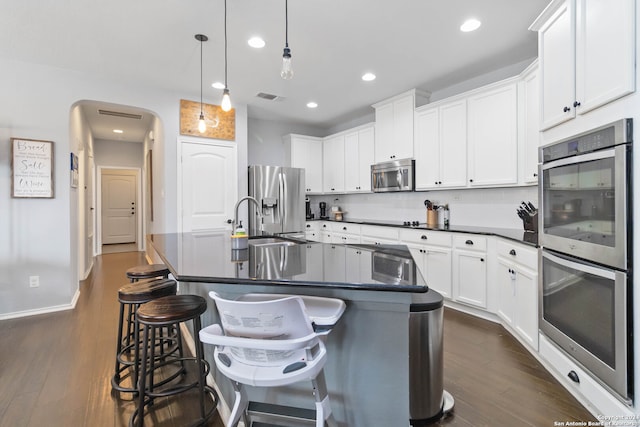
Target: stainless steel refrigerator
<point>280,192</point>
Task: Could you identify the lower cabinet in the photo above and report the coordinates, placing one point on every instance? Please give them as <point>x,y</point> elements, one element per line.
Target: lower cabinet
<point>517,288</point>
<point>469,284</point>
<point>435,265</point>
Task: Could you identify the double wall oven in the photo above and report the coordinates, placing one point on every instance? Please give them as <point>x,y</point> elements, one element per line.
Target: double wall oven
<point>585,233</point>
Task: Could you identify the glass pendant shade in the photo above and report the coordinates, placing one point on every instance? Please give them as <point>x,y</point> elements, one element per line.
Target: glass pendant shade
<point>202,125</point>
<point>287,68</point>
<point>226,101</point>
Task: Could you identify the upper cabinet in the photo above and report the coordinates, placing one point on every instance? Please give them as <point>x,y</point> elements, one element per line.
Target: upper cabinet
<point>441,146</point>
<point>305,152</point>
<point>529,117</point>
<point>394,126</point>
<point>587,56</point>
<point>358,158</point>
<point>492,129</point>
<point>333,164</point>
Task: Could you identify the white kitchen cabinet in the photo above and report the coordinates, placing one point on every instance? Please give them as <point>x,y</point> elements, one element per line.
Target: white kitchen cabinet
<point>492,128</point>
<point>470,270</point>
<point>587,56</point>
<point>394,126</point>
<point>333,164</point>
<point>594,177</point>
<point>358,265</point>
<point>441,146</point>
<point>432,254</point>
<point>529,112</point>
<point>378,235</point>
<point>306,152</point>
<point>517,287</point>
<point>312,231</point>
<point>359,156</point>
<point>344,233</point>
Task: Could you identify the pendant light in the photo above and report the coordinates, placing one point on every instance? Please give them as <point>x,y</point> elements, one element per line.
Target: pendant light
<point>202,125</point>
<point>226,99</point>
<point>287,68</point>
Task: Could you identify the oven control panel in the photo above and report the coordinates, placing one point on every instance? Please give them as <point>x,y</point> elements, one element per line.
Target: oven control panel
<point>604,137</point>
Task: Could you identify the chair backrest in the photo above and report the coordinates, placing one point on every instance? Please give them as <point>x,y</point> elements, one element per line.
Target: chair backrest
<point>284,318</point>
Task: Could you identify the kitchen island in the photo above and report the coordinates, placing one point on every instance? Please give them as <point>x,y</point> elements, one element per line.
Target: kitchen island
<point>384,355</point>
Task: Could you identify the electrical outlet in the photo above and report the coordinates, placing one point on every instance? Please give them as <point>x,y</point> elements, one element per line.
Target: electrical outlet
<point>34,281</point>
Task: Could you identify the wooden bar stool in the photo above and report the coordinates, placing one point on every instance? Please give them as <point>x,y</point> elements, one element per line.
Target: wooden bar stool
<point>147,271</point>
<point>131,296</point>
<point>159,313</point>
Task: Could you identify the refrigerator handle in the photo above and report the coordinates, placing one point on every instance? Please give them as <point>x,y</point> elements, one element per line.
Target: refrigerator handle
<point>283,199</point>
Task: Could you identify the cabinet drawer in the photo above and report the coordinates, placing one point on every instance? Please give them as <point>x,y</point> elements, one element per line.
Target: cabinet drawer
<point>388,233</point>
<point>436,238</point>
<point>338,227</point>
<point>312,226</point>
<point>521,254</point>
<point>472,242</point>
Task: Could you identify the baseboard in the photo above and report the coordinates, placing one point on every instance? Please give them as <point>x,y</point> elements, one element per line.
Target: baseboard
<point>45,310</point>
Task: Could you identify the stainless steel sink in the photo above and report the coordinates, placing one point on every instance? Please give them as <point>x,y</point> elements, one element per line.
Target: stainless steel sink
<point>271,241</point>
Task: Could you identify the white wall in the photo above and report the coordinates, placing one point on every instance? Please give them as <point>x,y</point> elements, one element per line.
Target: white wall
<point>265,140</point>
<point>39,235</point>
<point>118,153</point>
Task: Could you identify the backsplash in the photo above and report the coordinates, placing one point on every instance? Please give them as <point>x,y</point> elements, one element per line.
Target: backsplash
<point>490,207</point>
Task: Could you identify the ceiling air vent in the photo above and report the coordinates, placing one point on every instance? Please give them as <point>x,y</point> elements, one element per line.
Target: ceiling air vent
<point>269,96</point>
<point>120,114</point>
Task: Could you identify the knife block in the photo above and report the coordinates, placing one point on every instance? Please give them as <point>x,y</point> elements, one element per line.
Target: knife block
<point>530,223</point>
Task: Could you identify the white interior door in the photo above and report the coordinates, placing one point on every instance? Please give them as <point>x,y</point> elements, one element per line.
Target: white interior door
<point>208,185</point>
<point>119,210</point>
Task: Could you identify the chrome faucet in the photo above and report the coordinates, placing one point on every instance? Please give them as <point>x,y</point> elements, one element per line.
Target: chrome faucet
<point>235,216</point>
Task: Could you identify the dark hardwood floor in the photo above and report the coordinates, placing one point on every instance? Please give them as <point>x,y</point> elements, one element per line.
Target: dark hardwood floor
<point>55,369</point>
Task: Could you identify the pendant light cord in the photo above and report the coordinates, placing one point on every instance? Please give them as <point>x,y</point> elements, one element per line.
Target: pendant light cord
<point>225,44</point>
<point>286,23</point>
<point>201,77</point>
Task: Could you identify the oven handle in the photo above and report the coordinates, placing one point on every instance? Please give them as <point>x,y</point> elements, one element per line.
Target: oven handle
<point>604,154</point>
<point>583,266</point>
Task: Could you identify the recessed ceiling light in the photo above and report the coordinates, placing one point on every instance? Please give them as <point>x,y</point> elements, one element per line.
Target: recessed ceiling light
<point>218,85</point>
<point>368,77</point>
<point>470,25</point>
<point>256,42</point>
<point>118,131</point>
<point>312,104</point>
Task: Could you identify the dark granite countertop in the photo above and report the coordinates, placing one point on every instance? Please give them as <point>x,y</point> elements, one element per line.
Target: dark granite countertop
<point>520,236</point>
<point>207,257</point>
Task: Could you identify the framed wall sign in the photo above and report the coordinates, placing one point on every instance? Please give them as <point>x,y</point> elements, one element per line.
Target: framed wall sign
<point>74,170</point>
<point>31,168</point>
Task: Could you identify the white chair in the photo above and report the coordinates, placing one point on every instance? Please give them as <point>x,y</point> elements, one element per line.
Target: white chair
<point>268,342</point>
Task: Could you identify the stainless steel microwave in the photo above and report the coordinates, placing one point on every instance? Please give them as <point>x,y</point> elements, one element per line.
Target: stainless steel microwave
<point>397,175</point>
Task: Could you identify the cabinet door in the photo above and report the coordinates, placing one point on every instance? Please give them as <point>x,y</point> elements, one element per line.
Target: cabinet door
<point>453,144</point>
<point>305,154</point>
<point>526,303</point>
<point>470,278</point>
<point>531,131</point>
<point>493,134</point>
<point>333,165</point>
<point>506,286</point>
<point>437,267</point>
<point>427,149</point>
<point>384,133</point>
<point>605,52</point>
<point>402,143</point>
<point>351,170</point>
<point>556,41</point>
<point>334,264</point>
<point>366,157</point>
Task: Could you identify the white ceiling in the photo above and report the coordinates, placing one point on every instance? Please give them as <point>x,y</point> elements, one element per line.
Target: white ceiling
<point>406,43</point>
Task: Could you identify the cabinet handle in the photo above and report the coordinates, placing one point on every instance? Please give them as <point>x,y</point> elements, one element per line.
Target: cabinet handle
<point>439,182</point>
<point>573,377</point>
<point>512,252</point>
<point>481,259</point>
<point>566,109</point>
<point>423,237</point>
<point>471,180</point>
<point>469,242</point>
<point>535,175</point>
<point>308,225</point>
<point>344,228</point>
<point>576,104</point>
<point>324,226</point>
